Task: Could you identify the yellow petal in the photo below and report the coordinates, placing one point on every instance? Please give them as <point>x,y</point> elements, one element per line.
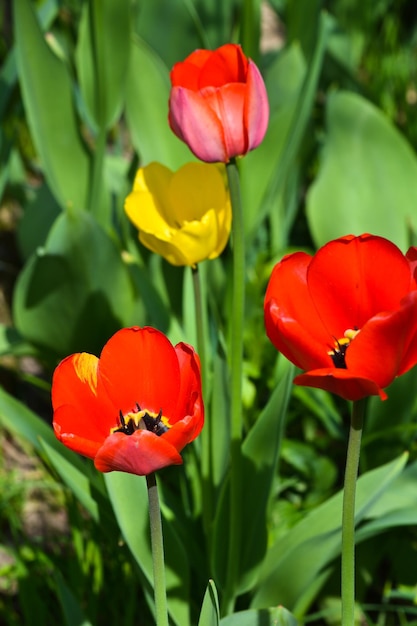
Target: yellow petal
<point>194,189</point>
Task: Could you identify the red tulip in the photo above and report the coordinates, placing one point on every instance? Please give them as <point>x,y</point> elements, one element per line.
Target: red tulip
<point>218,103</point>
<point>347,315</point>
<point>135,408</point>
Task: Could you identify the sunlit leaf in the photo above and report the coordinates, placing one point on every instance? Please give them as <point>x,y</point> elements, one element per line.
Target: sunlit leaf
<point>368,176</point>
<point>44,79</point>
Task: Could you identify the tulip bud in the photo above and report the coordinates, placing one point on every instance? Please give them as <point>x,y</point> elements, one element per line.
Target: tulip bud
<point>218,103</point>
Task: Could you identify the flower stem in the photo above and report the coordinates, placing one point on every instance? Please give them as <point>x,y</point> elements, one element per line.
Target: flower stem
<point>348,518</point>
<point>236,364</point>
<point>161,608</point>
<point>206,435</point>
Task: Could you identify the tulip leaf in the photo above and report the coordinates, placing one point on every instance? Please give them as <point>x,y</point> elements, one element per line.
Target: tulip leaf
<point>260,452</point>
<point>78,276</point>
<point>75,478</point>
<point>368,176</point>
<point>71,608</point>
<point>23,423</point>
<point>102,58</point>
<point>210,612</point>
<point>296,124</point>
<point>128,495</point>
<point>43,77</point>
<point>298,558</point>
<point>147,94</point>
<point>276,616</point>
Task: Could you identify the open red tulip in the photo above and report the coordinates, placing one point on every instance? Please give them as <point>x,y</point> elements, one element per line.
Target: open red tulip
<point>134,408</point>
<point>218,103</point>
<point>347,315</point>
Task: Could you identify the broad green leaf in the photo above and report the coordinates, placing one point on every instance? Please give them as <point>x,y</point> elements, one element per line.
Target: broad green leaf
<point>128,495</point>
<point>49,104</point>
<point>77,278</point>
<point>297,558</point>
<point>147,94</point>
<point>277,616</point>
<point>296,124</point>
<point>260,452</point>
<point>23,423</point>
<point>210,613</point>
<point>261,164</point>
<point>74,477</point>
<point>368,176</point>
<point>102,58</point>
<point>40,213</point>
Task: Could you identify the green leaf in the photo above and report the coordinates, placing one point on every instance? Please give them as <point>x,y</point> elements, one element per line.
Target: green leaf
<point>277,616</point>
<point>260,452</point>
<point>294,562</point>
<point>71,608</point>
<point>128,495</point>
<point>48,98</point>
<point>102,58</point>
<point>65,287</point>
<point>210,613</point>
<point>147,96</point>
<point>74,477</point>
<point>297,125</point>
<point>368,176</point>
<point>23,423</point>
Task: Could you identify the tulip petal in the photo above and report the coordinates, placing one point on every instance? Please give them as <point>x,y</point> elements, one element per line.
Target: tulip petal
<point>353,278</point>
<point>194,122</point>
<point>79,407</point>
<point>340,382</point>
<point>225,65</point>
<point>140,453</point>
<point>256,110</point>
<point>140,366</point>
<point>291,319</point>
<point>88,442</point>
<point>195,188</point>
<point>387,345</point>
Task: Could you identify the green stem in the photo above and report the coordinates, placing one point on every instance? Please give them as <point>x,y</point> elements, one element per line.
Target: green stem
<point>161,608</point>
<point>236,364</point>
<point>206,435</point>
<point>348,518</point>
<point>95,202</point>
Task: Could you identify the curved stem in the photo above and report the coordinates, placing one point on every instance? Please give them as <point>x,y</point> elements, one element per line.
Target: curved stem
<point>348,518</point>
<point>161,608</point>
<point>236,364</point>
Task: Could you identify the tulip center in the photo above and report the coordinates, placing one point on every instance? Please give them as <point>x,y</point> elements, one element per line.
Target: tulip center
<point>338,353</point>
<point>139,419</point>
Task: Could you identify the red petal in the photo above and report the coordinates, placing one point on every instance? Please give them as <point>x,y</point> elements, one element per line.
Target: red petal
<point>387,345</point>
<point>62,424</point>
<point>140,366</point>
<point>340,382</point>
<point>80,409</point>
<point>291,320</point>
<point>186,73</point>
<point>228,104</point>
<point>353,278</point>
<point>194,122</point>
<point>411,256</point>
<point>140,453</point>
<point>225,65</point>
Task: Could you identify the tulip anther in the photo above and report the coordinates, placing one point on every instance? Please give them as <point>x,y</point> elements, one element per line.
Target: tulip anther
<point>140,419</point>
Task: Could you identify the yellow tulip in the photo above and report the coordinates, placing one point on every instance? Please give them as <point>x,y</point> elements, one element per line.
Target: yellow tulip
<point>184,216</point>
